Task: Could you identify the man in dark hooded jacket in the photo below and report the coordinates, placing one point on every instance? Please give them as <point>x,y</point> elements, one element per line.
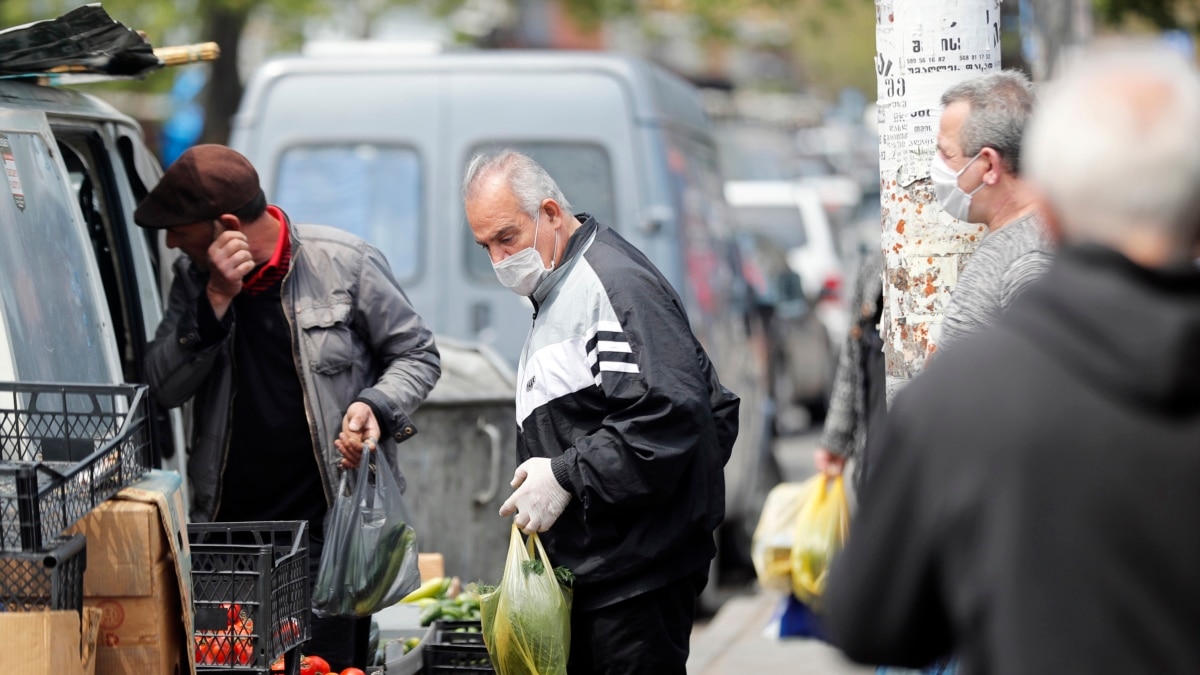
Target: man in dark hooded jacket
<point>1036,507</point>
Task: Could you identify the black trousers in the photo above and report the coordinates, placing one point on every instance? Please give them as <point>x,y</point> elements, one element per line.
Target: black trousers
<point>648,634</point>
<point>341,642</point>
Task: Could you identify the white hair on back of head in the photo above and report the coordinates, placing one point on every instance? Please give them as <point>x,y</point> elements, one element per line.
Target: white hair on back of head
<point>527,180</point>
<point>1112,146</point>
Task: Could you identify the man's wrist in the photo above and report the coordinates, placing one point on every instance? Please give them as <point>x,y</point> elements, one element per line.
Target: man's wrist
<point>558,467</point>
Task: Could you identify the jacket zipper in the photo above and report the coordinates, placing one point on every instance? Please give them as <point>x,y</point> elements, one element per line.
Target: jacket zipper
<point>285,299</point>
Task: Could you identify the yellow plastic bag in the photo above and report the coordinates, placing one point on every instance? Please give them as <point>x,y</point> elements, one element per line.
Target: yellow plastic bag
<point>771,545</point>
<point>821,530</point>
<point>527,619</point>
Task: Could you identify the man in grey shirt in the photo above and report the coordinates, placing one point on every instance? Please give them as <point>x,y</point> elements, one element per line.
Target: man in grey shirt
<point>976,178</point>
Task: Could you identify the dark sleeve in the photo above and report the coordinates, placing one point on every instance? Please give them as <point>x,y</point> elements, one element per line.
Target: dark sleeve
<point>660,408</point>
<point>882,603</point>
<point>185,345</point>
<point>211,330</point>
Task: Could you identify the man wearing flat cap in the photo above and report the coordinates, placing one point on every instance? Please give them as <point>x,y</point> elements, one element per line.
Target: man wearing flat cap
<point>295,344</point>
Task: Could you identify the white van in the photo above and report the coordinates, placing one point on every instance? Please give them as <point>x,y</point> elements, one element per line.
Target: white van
<point>378,146</point>
<point>79,285</point>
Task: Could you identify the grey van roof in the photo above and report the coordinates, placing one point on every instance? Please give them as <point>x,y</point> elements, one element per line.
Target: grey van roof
<point>658,96</point>
<point>20,94</point>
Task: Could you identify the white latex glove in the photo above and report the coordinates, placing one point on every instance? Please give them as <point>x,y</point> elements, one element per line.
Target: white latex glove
<point>538,499</point>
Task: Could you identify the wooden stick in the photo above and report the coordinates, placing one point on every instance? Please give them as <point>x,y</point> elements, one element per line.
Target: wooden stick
<point>183,54</point>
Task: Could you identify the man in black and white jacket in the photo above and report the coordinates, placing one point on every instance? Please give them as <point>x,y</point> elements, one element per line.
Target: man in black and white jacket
<point>624,425</point>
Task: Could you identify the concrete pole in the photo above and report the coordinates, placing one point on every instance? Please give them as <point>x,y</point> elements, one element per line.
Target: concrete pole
<point>923,47</point>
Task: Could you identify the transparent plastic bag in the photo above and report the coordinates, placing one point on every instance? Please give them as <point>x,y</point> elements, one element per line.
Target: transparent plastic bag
<point>370,556</point>
<point>771,545</point>
<point>527,619</point>
<point>821,529</point>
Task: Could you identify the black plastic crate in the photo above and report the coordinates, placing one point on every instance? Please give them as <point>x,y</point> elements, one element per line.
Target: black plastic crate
<point>250,591</point>
<point>64,449</point>
<point>456,647</point>
<point>32,581</point>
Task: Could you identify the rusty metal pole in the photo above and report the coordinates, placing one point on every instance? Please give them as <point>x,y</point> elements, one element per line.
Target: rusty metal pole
<point>923,47</point>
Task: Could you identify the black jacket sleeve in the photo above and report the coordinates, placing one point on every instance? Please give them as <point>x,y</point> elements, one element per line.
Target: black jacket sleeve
<point>187,341</point>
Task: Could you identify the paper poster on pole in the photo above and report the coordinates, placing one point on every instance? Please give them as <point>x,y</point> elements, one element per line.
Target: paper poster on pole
<point>940,44</point>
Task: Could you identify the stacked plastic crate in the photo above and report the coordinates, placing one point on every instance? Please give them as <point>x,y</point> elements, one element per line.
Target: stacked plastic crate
<point>64,449</point>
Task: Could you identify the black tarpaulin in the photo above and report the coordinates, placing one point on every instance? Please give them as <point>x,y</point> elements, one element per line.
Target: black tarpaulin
<point>85,39</point>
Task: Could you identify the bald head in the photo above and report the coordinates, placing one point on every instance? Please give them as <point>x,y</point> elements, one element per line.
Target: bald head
<point>1111,146</point>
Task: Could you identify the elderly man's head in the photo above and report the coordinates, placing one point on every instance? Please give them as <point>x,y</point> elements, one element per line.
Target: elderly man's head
<point>979,144</point>
<point>1111,147</point>
<point>518,215</point>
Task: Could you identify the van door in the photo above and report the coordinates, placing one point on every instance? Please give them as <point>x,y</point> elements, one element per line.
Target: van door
<point>107,185</point>
<point>582,136</point>
<point>56,322</point>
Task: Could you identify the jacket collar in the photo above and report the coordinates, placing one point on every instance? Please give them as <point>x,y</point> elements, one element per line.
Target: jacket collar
<point>576,245</point>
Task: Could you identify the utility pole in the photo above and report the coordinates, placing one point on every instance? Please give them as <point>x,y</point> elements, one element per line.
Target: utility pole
<point>922,48</point>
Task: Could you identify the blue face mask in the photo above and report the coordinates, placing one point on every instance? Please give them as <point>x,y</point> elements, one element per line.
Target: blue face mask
<point>523,271</point>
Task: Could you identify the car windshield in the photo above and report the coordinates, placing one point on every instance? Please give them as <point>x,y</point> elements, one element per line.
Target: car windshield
<point>783,224</point>
<point>373,191</point>
<point>53,325</point>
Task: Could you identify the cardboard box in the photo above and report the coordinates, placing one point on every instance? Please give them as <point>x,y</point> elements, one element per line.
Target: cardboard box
<point>139,576</point>
<point>134,635</point>
<point>49,643</point>
<point>125,541</point>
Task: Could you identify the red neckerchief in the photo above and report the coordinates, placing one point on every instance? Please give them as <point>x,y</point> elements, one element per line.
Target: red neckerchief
<point>271,273</point>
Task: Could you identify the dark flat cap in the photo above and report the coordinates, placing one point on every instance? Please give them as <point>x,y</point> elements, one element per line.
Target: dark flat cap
<point>206,182</point>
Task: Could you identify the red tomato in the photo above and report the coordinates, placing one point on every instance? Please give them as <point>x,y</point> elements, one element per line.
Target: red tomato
<point>212,649</point>
<point>243,651</point>
<point>279,666</point>
<point>353,671</point>
<point>306,667</point>
<point>233,612</point>
<point>320,665</point>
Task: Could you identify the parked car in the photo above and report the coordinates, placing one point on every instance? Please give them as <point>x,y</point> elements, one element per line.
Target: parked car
<point>378,146</point>
<point>791,214</point>
<point>802,358</point>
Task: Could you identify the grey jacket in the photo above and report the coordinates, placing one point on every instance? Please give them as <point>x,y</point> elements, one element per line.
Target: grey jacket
<point>845,431</point>
<point>354,336</point>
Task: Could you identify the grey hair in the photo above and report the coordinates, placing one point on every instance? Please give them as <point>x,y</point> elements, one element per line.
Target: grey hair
<point>1000,105</point>
<point>1111,147</point>
<point>527,180</point>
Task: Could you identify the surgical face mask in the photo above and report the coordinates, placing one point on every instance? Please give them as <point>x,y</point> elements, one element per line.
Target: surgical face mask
<point>953,199</point>
<point>523,271</point>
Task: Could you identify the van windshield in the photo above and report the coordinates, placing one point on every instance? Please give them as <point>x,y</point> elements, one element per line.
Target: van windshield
<point>373,191</point>
<point>782,224</point>
<point>52,323</point>
<point>584,174</point>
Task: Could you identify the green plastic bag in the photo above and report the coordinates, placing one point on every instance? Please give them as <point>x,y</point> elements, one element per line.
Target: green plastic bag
<point>527,618</point>
<point>821,530</point>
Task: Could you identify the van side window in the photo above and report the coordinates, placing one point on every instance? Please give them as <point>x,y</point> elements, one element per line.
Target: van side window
<point>373,191</point>
<point>53,318</point>
<point>582,170</point>
<point>99,203</point>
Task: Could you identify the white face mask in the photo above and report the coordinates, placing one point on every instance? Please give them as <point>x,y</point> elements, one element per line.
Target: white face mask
<point>953,199</point>
<point>523,271</point>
